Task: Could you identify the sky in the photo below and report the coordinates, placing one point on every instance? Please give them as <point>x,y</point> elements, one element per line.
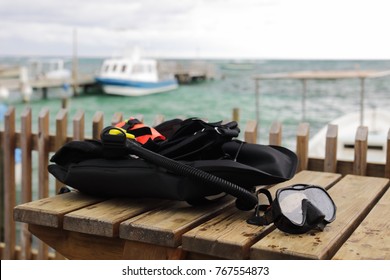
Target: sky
<point>220,29</point>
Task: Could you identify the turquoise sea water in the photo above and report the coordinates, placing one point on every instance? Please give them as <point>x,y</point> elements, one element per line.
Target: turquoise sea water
<point>214,100</point>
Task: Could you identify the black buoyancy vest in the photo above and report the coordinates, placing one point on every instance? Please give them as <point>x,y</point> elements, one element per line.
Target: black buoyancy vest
<point>96,169</point>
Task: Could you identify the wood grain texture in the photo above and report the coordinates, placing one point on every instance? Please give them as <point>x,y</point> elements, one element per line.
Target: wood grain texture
<point>97,125</point>
<point>26,147</point>
<point>9,183</point>
<point>371,240</point>
<point>50,211</point>
<point>79,246</point>
<point>165,226</point>
<point>104,218</point>
<point>250,134</point>
<point>143,251</point>
<point>275,134</point>
<point>330,161</point>
<point>303,133</point>
<point>360,152</point>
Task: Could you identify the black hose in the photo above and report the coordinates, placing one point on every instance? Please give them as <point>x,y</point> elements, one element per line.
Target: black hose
<point>245,199</point>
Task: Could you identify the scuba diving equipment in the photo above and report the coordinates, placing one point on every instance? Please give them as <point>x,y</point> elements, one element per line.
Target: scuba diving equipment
<point>296,209</point>
<point>245,199</point>
<point>108,168</point>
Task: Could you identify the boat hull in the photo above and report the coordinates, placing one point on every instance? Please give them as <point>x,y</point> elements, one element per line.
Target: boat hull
<point>135,88</point>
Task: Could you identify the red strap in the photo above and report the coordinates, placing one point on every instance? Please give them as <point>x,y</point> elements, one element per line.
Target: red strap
<point>137,128</point>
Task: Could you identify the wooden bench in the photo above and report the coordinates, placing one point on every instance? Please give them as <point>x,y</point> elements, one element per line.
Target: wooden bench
<point>84,227</point>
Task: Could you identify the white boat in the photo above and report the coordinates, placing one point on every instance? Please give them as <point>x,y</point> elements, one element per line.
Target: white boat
<point>378,123</point>
<point>134,76</point>
<point>52,69</point>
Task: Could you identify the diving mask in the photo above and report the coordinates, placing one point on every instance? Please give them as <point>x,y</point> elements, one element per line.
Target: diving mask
<point>296,209</point>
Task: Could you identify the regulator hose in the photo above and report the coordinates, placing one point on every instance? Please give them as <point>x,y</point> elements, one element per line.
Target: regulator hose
<point>245,199</point>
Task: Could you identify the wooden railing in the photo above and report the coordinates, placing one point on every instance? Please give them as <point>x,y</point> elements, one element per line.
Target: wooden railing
<point>43,141</point>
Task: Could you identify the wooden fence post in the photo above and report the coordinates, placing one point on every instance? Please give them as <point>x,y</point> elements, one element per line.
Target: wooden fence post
<point>158,119</point>
<point>9,184</point>
<point>303,146</point>
<point>26,147</point>
<point>97,125</point>
<point>116,118</point>
<point>387,167</point>
<point>236,114</point>
<point>140,117</point>
<point>250,135</point>
<point>360,159</point>
<point>43,175</point>
<point>61,135</point>
<point>78,126</point>
<point>275,134</point>
<point>330,162</point>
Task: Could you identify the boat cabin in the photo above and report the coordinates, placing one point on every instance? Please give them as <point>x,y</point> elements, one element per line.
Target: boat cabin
<point>146,69</point>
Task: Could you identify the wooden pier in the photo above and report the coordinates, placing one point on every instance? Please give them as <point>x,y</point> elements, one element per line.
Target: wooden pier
<point>15,79</point>
<point>188,72</point>
<point>83,81</point>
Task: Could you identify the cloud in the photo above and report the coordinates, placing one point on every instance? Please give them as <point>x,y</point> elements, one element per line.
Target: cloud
<point>206,28</point>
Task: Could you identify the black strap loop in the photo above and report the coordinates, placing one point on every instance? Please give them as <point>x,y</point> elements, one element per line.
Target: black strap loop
<point>267,218</point>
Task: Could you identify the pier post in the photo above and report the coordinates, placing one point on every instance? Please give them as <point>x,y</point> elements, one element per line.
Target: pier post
<point>44,92</point>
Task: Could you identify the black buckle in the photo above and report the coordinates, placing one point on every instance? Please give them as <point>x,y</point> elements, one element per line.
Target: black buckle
<point>113,145</point>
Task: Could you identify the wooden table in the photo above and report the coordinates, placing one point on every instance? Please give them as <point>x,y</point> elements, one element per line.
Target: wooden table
<point>84,227</point>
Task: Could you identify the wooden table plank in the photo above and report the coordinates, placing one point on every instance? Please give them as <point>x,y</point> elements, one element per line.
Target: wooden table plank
<point>228,235</point>
<point>371,240</point>
<point>134,250</point>
<point>165,226</point>
<point>104,218</point>
<point>80,246</point>
<point>354,196</point>
<point>51,210</point>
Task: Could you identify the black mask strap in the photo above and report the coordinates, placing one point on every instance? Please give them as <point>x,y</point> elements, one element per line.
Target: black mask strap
<point>267,218</point>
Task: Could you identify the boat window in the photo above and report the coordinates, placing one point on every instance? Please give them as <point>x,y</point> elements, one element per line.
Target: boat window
<point>124,67</point>
<point>114,68</point>
<point>106,68</point>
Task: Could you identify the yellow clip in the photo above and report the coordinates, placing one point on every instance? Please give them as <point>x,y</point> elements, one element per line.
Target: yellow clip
<point>117,130</point>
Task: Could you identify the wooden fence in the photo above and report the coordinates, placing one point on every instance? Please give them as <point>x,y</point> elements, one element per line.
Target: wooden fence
<point>43,142</point>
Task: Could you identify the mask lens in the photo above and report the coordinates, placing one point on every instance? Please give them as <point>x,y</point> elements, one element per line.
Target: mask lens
<point>290,201</point>
<point>322,201</point>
